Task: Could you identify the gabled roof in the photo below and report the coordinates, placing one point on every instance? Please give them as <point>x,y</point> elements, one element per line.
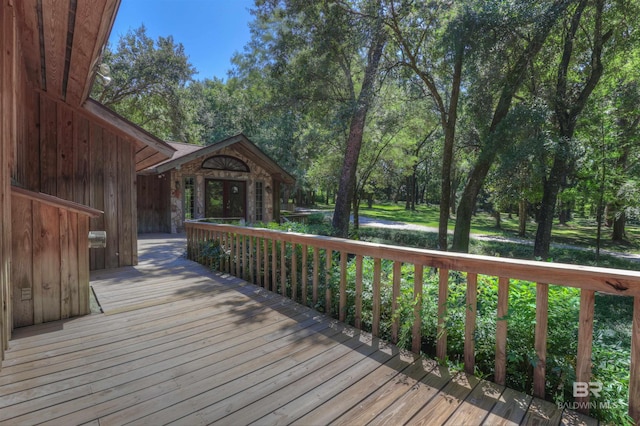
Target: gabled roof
<point>186,153</point>
<point>61,43</point>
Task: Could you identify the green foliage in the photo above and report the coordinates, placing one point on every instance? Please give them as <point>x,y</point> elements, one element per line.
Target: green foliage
<point>148,84</point>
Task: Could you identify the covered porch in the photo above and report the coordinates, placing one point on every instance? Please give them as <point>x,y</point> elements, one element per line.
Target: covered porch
<point>178,343</point>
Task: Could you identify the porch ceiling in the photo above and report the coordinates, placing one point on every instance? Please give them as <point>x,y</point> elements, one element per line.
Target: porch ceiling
<point>62,42</point>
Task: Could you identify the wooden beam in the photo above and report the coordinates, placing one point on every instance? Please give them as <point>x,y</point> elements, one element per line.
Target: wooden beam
<point>55,15</point>
<point>27,14</point>
<point>88,22</point>
<point>55,201</point>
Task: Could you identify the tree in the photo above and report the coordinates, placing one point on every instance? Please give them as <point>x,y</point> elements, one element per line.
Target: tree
<point>148,84</point>
<point>568,100</point>
<point>537,23</point>
<point>416,29</point>
<point>347,182</point>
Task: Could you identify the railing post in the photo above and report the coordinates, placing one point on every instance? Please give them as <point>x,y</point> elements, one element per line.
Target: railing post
<point>327,281</point>
<point>500,374</point>
<point>470,324</point>
<point>416,332</point>
<point>443,294</point>
<point>585,339</point>
<point>395,322</point>
<point>377,269</point>
<point>305,272</point>
<point>265,263</point>
<point>283,267</point>
<point>542,314</point>
<point>634,378</point>
<point>342,309</point>
<point>294,272</point>
<point>358,318</point>
<point>316,275</point>
<point>274,266</point>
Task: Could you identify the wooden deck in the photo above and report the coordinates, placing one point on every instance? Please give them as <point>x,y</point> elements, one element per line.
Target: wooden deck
<point>178,344</point>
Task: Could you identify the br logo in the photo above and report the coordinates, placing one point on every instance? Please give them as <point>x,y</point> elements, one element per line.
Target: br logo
<point>582,389</point>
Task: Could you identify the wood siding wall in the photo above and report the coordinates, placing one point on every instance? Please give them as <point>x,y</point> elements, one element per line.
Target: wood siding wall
<point>154,211</point>
<point>10,97</point>
<point>65,154</point>
<point>50,267</point>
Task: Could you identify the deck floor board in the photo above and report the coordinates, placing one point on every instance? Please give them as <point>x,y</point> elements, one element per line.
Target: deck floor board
<point>179,344</point>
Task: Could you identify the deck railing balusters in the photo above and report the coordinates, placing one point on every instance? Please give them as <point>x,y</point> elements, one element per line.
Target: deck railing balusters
<point>500,373</point>
<point>395,324</point>
<point>470,323</point>
<point>316,275</point>
<point>264,246</point>
<point>443,293</point>
<point>358,298</point>
<point>274,267</point>
<point>342,308</point>
<point>327,281</point>
<point>283,268</point>
<point>294,272</point>
<point>542,309</point>
<point>305,273</point>
<point>416,331</point>
<point>376,308</point>
<point>585,338</point>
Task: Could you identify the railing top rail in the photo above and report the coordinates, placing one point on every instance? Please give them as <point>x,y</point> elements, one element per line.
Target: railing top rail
<point>606,280</point>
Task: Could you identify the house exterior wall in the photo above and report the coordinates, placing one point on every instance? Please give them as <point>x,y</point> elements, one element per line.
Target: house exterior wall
<point>11,97</point>
<point>65,153</point>
<point>194,170</point>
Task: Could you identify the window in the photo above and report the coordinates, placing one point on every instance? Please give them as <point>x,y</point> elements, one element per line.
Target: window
<point>225,162</point>
<point>189,198</point>
<point>259,202</point>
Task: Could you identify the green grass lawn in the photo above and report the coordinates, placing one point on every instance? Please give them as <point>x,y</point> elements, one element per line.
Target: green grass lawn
<point>580,231</point>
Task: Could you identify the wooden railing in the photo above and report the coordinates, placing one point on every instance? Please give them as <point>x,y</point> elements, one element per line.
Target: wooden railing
<point>260,256</point>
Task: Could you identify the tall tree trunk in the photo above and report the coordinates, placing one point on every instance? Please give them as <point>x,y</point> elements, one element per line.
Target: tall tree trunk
<point>512,81</point>
<point>568,104</point>
<point>618,234</point>
<point>522,217</point>
<point>341,211</point>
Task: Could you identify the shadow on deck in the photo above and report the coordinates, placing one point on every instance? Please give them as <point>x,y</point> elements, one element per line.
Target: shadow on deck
<point>178,343</point>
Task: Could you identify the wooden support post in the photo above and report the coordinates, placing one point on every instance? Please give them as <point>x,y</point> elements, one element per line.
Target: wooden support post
<point>327,281</point>
<point>416,332</point>
<point>305,273</point>
<point>294,272</point>
<point>283,268</point>
<point>395,322</point>
<point>585,339</point>
<point>358,301</point>
<point>443,294</point>
<point>470,324</point>
<point>375,323</point>
<point>316,275</point>
<point>274,267</point>
<point>542,309</point>
<point>634,378</point>
<point>501,331</point>
<point>342,309</point>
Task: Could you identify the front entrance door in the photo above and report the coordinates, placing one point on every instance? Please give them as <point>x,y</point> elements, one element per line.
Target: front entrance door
<point>225,198</point>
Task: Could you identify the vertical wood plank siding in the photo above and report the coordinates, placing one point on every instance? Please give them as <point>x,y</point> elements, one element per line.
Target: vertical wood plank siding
<point>11,95</point>
<point>385,257</point>
<point>50,266</point>
<point>83,162</point>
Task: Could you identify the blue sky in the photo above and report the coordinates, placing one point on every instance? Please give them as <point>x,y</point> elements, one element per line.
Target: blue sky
<point>210,30</point>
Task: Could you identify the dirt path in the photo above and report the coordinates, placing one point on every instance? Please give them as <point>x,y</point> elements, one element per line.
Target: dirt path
<point>382,223</point>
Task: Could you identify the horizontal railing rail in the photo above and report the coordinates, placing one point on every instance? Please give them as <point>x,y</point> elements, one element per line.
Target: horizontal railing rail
<point>290,263</point>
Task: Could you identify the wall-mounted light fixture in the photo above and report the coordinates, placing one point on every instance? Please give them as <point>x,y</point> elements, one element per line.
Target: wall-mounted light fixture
<point>104,72</point>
